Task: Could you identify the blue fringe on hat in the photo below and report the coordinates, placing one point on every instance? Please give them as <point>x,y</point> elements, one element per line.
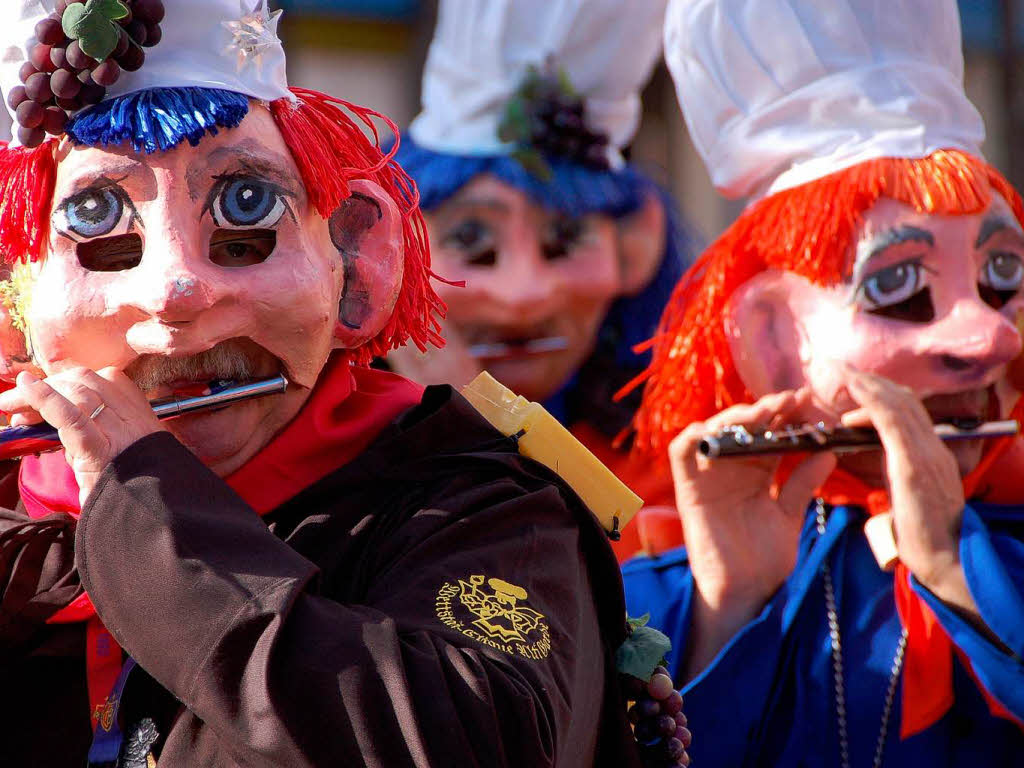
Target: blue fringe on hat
<point>575,191</point>
<point>158,119</point>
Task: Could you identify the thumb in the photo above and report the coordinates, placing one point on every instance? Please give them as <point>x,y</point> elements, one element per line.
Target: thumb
<point>809,474</point>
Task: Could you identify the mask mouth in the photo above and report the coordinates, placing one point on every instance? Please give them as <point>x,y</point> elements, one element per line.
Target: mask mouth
<point>964,408</point>
<point>160,376</point>
<point>497,343</point>
<point>516,348</point>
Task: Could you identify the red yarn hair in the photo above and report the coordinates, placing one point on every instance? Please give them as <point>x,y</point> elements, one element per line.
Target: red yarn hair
<point>808,230</point>
<point>27,179</point>
<point>329,140</point>
<point>331,149</point>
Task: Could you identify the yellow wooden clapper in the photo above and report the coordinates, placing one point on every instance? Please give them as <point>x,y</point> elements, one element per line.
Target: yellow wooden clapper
<point>543,439</point>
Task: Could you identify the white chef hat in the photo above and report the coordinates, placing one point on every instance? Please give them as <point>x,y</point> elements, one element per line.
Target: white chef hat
<point>230,45</point>
<point>482,50</point>
<point>777,93</point>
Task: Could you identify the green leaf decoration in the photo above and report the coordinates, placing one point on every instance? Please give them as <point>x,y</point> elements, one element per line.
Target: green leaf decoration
<point>94,25</point>
<point>565,84</point>
<point>533,83</point>
<point>638,622</point>
<point>533,162</point>
<point>528,109</point>
<point>112,9</point>
<point>643,650</point>
<point>515,125</point>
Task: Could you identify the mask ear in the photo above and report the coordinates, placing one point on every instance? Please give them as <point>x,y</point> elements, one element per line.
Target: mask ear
<point>641,244</point>
<point>765,334</point>
<point>367,231</point>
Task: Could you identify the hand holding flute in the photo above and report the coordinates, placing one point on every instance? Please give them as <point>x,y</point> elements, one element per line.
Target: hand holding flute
<point>742,529</point>
<point>98,414</point>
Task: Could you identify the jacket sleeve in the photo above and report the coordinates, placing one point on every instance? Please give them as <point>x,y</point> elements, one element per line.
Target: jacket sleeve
<point>427,671</point>
<point>742,673</point>
<point>729,704</point>
<point>992,557</point>
<point>37,573</point>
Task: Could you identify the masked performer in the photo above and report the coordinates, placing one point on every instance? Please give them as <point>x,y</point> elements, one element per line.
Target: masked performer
<point>568,254</point>
<point>415,592</point>
<point>877,273</point>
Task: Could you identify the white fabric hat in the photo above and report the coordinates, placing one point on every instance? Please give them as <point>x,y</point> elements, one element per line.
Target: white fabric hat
<point>777,93</point>
<point>482,49</point>
<point>204,44</point>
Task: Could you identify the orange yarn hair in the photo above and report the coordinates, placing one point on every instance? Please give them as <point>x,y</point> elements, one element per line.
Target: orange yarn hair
<point>808,230</point>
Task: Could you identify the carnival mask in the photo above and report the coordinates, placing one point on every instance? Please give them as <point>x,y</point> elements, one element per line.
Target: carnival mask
<point>210,254</point>
<point>930,302</point>
<point>538,283</point>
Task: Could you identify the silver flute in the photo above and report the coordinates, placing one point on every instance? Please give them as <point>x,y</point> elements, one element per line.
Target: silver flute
<point>16,442</point>
<point>738,440</point>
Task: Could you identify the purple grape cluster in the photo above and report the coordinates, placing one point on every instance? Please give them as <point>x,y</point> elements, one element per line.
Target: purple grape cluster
<point>558,128</point>
<point>59,78</point>
<point>659,724</point>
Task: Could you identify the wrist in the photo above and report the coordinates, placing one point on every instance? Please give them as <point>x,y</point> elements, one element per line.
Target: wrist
<point>930,551</point>
<point>730,596</point>
<point>940,573</point>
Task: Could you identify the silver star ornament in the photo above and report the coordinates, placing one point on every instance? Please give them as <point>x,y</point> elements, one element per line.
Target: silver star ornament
<point>253,33</point>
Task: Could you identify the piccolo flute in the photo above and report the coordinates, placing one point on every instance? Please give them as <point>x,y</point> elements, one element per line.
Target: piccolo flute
<point>811,438</point>
<point>21,441</point>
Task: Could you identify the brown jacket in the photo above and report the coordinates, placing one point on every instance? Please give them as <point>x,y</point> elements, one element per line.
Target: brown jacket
<point>439,601</point>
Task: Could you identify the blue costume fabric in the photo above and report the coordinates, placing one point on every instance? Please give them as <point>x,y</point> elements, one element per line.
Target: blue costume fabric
<point>768,698</point>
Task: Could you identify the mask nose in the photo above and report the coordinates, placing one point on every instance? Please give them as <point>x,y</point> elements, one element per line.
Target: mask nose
<point>525,288</point>
<point>174,298</point>
<point>976,338</point>
<point>169,290</point>
<point>174,281</point>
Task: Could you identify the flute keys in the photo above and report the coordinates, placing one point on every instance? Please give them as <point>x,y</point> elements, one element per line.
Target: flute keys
<point>820,433</point>
<point>739,434</point>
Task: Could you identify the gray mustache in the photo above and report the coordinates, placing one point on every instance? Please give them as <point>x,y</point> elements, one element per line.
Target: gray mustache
<point>224,361</point>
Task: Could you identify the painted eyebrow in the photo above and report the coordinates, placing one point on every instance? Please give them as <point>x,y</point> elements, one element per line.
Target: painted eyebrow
<point>905,233</point>
<point>114,172</point>
<point>249,157</point>
<point>993,224</point>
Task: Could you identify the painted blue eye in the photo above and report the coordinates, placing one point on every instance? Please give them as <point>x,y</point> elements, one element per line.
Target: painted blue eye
<point>247,202</point>
<point>892,285</point>
<point>1003,272</point>
<point>93,213</point>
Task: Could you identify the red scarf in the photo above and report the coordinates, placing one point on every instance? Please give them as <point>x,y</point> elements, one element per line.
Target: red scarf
<point>347,409</point>
<point>928,661</point>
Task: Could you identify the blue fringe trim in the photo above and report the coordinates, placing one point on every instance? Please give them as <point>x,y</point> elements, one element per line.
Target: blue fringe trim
<point>575,191</point>
<point>158,119</point>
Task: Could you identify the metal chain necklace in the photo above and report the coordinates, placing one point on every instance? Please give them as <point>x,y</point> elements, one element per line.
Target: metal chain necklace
<point>837,666</point>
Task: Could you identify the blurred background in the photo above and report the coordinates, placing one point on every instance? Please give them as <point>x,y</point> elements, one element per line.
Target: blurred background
<point>371,52</point>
